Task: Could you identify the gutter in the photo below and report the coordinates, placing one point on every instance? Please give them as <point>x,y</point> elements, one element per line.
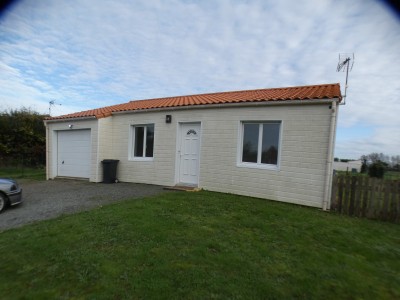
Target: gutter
<point>329,163</point>
<point>202,106</point>
<point>225,105</point>
<point>69,119</point>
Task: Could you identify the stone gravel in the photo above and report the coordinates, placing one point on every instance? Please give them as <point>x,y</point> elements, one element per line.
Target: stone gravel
<point>49,199</point>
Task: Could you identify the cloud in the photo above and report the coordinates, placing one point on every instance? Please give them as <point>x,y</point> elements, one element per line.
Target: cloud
<point>382,139</point>
<point>87,55</point>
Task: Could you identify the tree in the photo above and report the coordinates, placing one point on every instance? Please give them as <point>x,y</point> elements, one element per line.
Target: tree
<point>384,158</point>
<point>395,162</point>
<point>376,164</point>
<point>364,165</point>
<point>373,157</point>
<point>22,138</point>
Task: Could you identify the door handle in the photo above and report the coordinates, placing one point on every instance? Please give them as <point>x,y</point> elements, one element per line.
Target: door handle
<point>62,162</point>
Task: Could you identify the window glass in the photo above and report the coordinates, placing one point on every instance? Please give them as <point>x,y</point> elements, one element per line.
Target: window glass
<point>261,143</point>
<point>139,137</point>
<point>250,142</point>
<point>149,140</point>
<point>270,143</point>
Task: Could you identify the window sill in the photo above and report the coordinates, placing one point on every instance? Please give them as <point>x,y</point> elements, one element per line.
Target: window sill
<point>141,158</point>
<point>258,166</point>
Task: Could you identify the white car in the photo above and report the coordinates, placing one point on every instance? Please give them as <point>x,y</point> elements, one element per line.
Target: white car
<point>10,193</point>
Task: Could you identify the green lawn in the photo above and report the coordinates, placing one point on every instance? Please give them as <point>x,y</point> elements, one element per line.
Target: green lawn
<point>23,172</point>
<point>200,246</point>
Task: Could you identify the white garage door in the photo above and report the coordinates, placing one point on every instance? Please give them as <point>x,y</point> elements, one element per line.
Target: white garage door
<point>73,157</point>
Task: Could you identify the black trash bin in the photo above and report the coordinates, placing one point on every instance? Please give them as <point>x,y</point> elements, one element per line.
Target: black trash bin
<point>109,170</point>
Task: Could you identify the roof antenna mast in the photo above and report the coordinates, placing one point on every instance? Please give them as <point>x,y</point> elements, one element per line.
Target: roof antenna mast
<point>52,103</point>
<point>346,62</point>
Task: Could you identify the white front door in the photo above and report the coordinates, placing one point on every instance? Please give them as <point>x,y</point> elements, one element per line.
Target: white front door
<point>188,152</point>
<point>73,153</point>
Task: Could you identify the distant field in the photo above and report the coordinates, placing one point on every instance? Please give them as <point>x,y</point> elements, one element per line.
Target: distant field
<point>388,174</point>
<point>23,172</point>
<point>392,175</point>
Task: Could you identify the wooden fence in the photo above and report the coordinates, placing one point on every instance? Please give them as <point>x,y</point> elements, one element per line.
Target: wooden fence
<point>361,196</point>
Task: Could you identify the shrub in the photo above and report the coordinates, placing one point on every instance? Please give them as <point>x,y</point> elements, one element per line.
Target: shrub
<point>377,169</point>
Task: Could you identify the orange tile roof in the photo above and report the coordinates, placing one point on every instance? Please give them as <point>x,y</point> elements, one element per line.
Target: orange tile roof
<point>310,92</point>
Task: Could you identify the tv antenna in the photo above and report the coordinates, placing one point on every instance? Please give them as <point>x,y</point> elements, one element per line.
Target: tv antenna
<point>52,103</point>
<point>346,62</point>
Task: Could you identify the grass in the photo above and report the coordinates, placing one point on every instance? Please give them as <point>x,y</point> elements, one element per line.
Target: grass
<point>23,172</point>
<point>201,245</point>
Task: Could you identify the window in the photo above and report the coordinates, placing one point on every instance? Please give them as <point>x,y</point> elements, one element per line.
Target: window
<point>143,141</point>
<point>260,143</point>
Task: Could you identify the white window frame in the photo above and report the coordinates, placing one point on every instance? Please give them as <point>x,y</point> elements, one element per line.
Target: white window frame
<point>133,139</point>
<point>258,164</point>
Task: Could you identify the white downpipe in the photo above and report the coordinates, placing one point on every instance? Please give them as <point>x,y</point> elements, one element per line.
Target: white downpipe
<point>97,179</point>
<point>329,162</point>
<point>47,152</point>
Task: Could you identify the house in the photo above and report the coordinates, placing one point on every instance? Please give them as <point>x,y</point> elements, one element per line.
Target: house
<point>268,143</point>
<point>348,166</point>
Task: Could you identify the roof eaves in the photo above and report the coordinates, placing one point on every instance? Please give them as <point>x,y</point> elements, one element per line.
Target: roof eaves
<point>233,104</point>
<point>56,119</point>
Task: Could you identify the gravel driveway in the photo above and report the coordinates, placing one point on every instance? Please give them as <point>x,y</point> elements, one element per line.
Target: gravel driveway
<point>49,199</point>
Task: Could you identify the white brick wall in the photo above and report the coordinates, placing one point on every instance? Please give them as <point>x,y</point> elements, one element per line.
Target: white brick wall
<point>301,176</point>
<point>105,145</point>
<point>161,169</point>
<point>304,149</point>
<point>303,153</point>
<point>53,128</point>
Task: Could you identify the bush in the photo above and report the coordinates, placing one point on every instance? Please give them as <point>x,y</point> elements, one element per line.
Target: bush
<point>22,138</point>
<point>377,169</point>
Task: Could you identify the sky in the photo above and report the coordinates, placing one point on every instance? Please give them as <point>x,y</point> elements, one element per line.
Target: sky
<point>85,54</point>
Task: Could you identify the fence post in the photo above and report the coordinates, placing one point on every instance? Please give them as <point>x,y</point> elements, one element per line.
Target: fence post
<point>340,194</point>
<point>358,199</point>
<point>393,207</point>
<point>346,199</point>
<point>396,194</point>
<point>371,210</point>
<point>334,203</point>
<point>386,193</point>
<point>352,194</point>
<point>365,196</point>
